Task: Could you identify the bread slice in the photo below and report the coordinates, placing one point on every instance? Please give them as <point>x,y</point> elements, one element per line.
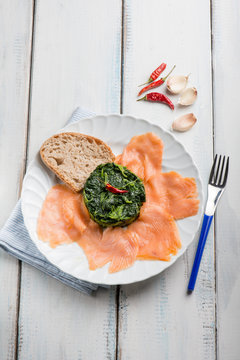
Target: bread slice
<point>73,156</point>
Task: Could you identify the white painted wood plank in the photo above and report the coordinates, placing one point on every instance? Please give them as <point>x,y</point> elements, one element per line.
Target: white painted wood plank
<point>157,319</point>
<point>57,322</point>
<point>226,58</point>
<point>77,53</point>
<point>15,40</point>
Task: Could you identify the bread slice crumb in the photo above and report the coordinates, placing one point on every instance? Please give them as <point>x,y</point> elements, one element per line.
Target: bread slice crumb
<point>74,156</point>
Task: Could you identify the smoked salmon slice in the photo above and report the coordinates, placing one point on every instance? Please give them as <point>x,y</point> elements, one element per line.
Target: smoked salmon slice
<point>143,155</point>
<point>176,193</point>
<point>112,245</point>
<point>123,247</point>
<point>156,232</point>
<point>153,236</point>
<point>169,197</point>
<point>63,217</point>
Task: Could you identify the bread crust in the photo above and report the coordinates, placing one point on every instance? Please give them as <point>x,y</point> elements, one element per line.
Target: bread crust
<point>55,169</point>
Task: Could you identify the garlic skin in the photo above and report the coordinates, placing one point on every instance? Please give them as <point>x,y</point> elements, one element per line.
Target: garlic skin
<point>188,97</point>
<point>184,122</point>
<point>177,83</point>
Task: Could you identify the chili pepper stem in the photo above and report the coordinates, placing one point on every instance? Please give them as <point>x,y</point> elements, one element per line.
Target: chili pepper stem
<point>164,79</point>
<point>143,98</point>
<point>149,81</point>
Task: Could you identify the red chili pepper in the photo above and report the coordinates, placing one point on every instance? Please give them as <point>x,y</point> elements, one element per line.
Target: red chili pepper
<point>155,83</point>
<point>115,190</point>
<point>155,74</point>
<point>157,97</point>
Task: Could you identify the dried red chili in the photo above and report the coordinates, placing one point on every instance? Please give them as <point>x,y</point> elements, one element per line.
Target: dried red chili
<point>157,97</point>
<point>155,74</point>
<point>114,190</point>
<point>155,83</point>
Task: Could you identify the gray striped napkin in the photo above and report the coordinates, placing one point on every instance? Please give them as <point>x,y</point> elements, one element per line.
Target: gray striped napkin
<point>15,240</point>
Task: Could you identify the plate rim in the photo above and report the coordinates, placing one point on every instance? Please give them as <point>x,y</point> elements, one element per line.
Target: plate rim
<point>137,119</point>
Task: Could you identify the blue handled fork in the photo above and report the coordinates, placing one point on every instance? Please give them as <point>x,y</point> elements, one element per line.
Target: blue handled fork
<point>216,186</point>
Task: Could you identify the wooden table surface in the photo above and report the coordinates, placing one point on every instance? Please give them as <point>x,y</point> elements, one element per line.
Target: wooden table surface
<point>56,55</point>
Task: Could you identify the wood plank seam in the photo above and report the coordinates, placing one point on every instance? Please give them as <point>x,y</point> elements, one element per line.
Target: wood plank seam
<point>29,91</point>
<point>24,165</point>
<point>213,133</point>
<point>18,307</point>
<point>118,289</point>
<point>117,301</point>
<point>122,56</point>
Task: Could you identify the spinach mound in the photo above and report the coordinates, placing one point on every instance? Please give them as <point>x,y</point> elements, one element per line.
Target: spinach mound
<point>106,208</point>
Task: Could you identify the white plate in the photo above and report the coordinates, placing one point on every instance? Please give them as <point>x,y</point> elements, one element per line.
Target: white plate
<point>116,131</point>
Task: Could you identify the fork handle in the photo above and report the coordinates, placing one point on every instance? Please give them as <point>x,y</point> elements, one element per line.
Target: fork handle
<point>207,220</point>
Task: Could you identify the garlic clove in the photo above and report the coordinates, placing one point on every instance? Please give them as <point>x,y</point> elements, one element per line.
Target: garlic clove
<point>188,96</point>
<point>177,83</point>
<point>184,122</point>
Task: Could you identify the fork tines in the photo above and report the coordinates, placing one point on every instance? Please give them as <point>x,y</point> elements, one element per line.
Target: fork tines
<point>219,172</point>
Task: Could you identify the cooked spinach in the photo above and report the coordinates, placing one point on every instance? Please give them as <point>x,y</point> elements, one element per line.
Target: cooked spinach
<point>109,209</point>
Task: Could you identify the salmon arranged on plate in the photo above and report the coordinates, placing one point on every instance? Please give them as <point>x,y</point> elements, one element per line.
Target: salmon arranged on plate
<point>137,207</point>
